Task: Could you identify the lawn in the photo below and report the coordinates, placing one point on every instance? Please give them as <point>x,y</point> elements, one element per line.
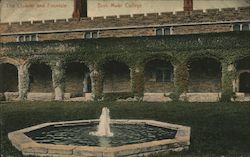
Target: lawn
<point>218,129</point>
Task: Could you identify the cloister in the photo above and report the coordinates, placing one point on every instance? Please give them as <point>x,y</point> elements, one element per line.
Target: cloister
<point>19,77</point>
<point>156,74</point>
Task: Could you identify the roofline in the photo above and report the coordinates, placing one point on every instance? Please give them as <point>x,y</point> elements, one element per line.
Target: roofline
<point>125,27</point>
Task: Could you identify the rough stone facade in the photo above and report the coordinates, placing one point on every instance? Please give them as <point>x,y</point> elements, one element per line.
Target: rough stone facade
<point>183,22</point>
<point>42,51</point>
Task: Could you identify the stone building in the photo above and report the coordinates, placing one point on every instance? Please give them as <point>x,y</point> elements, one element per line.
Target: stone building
<point>189,55</point>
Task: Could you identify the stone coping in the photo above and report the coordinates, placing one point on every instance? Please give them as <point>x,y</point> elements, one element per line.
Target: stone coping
<point>132,16</point>
<point>29,147</point>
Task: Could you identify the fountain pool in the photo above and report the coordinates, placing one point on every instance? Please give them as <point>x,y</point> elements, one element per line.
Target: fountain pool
<point>102,137</point>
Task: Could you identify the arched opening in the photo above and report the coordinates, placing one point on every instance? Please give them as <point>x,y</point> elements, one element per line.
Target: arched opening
<point>244,82</point>
<point>40,76</point>
<point>116,77</point>
<point>205,75</point>
<point>77,79</point>
<point>158,75</point>
<point>243,70</point>
<point>8,78</point>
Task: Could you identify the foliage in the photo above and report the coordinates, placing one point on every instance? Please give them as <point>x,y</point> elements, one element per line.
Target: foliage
<point>137,82</point>
<point>227,48</point>
<point>181,81</point>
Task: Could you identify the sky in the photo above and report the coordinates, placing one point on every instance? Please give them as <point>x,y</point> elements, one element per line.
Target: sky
<point>28,10</point>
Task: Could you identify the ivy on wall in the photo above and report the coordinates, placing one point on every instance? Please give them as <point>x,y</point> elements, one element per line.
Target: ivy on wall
<point>227,48</point>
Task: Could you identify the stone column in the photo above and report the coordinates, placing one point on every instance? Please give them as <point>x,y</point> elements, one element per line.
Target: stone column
<point>58,80</point>
<point>228,81</point>
<point>1,78</point>
<point>97,83</point>
<point>235,83</point>
<point>85,83</point>
<point>137,81</point>
<point>23,81</point>
<point>181,76</point>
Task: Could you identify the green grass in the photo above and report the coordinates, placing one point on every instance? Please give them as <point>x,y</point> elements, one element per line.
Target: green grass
<point>218,129</point>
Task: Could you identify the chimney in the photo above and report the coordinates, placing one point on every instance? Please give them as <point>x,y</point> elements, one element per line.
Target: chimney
<point>80,9</point>
<point>188,5</point>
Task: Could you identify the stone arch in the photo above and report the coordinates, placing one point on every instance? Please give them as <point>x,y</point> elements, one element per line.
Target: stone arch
<point>243,71</point>
<point>113,58</point>
<point>9,78</point>
<point>158,75</point>
<point>77,78</point>
<point>38,60</point>
<point>205,74</point>
<point>116,76</point>
<point>10,61</point>
<point>165,57</point>
<point>244,81</point>
<point>40,75</point>
<point>202,55</point>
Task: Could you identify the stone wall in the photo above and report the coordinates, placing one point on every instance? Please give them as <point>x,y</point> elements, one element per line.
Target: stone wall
<point>177,30</point>
<point>117,84</point>
<point>74,85</point>
<point>77,79</point>
<point>197,16</point>
<point>193,22</point>
<point>60,36</point>
<point>204,86</point>
<point>202,29</point>
<point>158,87</point>
<point>127,32</point>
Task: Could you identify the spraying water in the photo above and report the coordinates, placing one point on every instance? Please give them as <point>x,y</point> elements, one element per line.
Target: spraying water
<point>104,125</point>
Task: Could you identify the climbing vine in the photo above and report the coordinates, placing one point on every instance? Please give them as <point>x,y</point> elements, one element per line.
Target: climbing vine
<point>225,47</point>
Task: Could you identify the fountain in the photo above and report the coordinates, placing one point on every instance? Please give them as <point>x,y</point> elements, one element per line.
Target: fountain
<point>101,137</point>
<point>104,124</point>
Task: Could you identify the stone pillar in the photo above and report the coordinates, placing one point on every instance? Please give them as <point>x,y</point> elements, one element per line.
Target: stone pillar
<point>58,80</point>
<point>181,76</point>
<point>137,81</point>
<point>23,81</point>
<point>1,78</point>
<point>97,83</point>
<point>228,81</point>
<point>188,5</point>
<point>85,83</point>
<point>235,83</point>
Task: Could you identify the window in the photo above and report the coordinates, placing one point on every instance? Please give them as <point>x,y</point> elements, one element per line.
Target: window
<point>159,31</point>
<point>245,27</point>
<point>236,27</point>
<point>94,35</point>
<point>241,27</point>
<point>34,38</point>
<point>164,31</point>
<point>168,31</point>
<point>23,38</point>
<point>89,35</point>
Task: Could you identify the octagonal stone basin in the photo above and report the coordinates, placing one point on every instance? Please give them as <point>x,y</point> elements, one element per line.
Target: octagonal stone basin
<point>178,141</point>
